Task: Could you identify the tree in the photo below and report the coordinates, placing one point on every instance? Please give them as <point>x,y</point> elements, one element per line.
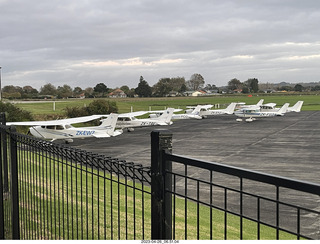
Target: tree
<point>125,89</point>
<point>95,107</point>
<point>88,92</point>
<point>234,84</point>
<point>131,92</point>
<point>64,91</point>
<point>12,89</point>
<point>102,107</point>
<point>143,89</point>
<point>162,87</point>
<point>196,82</point>
<point>48,89</point>
<point>298,88</point>
<point>165,85</point>
<point>29,92</point>
<point>252,85</point>
<point>100,89</point>
<point>77,91</point>
<point>210,87</point>
<point>183,88</point>
<point>285,88</point>
<point>316,88</point>
<point>178,84</point>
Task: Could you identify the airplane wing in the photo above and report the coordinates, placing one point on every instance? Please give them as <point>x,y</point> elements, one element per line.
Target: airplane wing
<point>161,111</point>
<point>270,105</point>
<point>208,106</point>
<point>100,135</point>
<point>58,121</point>
<point>133,114</point>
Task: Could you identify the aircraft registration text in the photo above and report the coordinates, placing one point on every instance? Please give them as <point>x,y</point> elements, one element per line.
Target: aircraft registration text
<point>85,133</point>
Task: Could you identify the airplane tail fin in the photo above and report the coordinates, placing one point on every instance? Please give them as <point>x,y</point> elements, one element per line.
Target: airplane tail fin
<point>230,108</point>
<point>283,109</point>
<point>260,102</point>
<point>110,123</point>
<point>166,116</point>
<point>196,111</point>
<point>296,107</point>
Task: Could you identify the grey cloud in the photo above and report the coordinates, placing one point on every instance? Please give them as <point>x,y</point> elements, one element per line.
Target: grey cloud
<point>52,41</point>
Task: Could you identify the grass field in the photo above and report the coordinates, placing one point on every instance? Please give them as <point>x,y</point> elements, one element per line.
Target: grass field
<point>311,102</point>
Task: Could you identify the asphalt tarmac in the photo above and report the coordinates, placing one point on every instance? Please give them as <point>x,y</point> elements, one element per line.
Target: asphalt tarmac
<point>287,146</point>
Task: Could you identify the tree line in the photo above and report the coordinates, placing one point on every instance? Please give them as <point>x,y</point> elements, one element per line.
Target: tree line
<point>176,86</point>
<point>162,88</point>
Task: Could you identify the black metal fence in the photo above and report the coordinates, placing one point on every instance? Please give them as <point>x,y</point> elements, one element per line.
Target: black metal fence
<point>205,200</point>
<point>51,191</point>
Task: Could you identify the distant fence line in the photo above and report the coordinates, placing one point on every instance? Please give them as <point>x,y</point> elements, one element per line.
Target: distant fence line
<point>52,191</point>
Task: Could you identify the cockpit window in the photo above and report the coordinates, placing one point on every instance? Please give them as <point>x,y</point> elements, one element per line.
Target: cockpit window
<point>59,127</point>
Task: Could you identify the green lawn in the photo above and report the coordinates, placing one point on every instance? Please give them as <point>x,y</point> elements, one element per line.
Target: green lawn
<point>311,102</point>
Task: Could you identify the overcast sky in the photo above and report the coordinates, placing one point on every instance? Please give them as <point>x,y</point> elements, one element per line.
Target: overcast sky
<point>86,42</point>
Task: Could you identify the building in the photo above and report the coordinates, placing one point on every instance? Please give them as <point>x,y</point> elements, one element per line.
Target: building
<point>117,93</point>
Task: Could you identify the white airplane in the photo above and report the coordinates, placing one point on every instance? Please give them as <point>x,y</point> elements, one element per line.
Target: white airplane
<point>271,107</point>
<point>252,112</point>
<point>207,112</point>
<point>193,114</point>
<point>129,121</point>
<point>63,129</point>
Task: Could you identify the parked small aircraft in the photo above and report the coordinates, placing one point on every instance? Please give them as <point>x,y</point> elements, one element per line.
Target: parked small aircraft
<point>193,114</point>
<point>129,120</point>
<point>63,129</point>
<point>271,107</point>
<point>207,112</point>
<point>255,111</point>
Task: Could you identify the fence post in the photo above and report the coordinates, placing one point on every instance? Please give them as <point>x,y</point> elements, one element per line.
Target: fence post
<point>14,185</point>
<point>4,155</point>
<point>161,186</point>
<point>1,187</point>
